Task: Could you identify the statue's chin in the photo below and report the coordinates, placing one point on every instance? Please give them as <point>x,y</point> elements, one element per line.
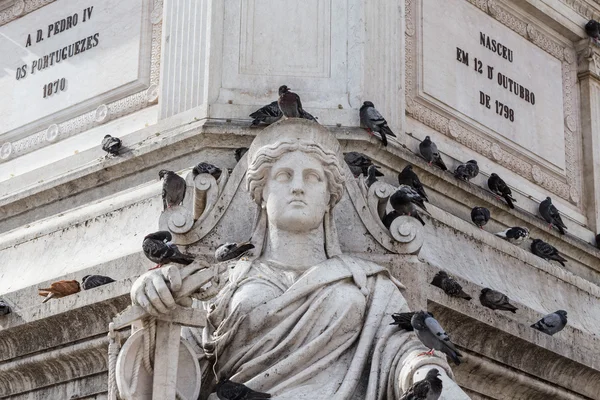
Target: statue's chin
<point>297,220</point>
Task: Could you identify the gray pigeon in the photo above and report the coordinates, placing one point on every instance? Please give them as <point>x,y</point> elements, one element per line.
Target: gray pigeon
<point>92,281</point>
<point>359,164</point>
<point>405,202</point>
<point>496,301</point>
<point>4,308</point>
<point>501,189</point>
<point>371,119</point>
<point>206,168</point>
<point>480,216</point>
<point>546,251</point>
<point>551,215</point>
<point>432,335</point>
<point>449,285</point>
<point>467,171</point>
<point>228,390</point>
<point>232,251</point>
<point>430,388</point>
<point>173,190</point>
<point>372,175</point>
<point>158,248</point>
<point>268,114</point>
<point>552,323</point>
<point>515,235</point>
<point>111,145</point>
<point>239,153</point>
<point>408,177</point>
<point>291,106</point>
<point>430,153</point>
<point>592,28</point>
<point>403,320</point>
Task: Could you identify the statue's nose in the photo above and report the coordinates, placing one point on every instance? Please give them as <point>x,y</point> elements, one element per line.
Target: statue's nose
<point>297,191</point>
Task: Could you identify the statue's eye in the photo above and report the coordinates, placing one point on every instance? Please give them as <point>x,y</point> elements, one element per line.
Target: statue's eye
<point>313,177</point>
<point>283,176</point>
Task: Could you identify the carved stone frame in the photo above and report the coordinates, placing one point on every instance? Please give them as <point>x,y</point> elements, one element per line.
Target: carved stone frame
<point>567,187</point>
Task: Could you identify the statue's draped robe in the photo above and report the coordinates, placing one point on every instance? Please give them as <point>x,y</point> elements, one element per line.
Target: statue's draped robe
<point>325,335</point>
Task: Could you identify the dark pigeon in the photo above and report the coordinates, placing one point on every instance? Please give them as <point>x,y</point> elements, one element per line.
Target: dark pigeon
<point>239,153</point>
<point>430,153</point>
<point>291,106</point>
<point>467,171</point>
<point>92,281</point>
<point>552,323</point>
<point>515,235</point>
<point>432,335</point>
<point>268,114</point>
<point>410,178</point>
<point>173,189</point>
<point>480,216</point>
<point>111,145</point>
<point>389,218</point>
<point>592,28</point>
<point>359,164</point>
<point>403,320</point>
<point>4,308</point>
<point>406,200</point>
<point>496,301</point>
<point>546,251</point>
<point>430,388</point>
<point>206,168</point>
<point>501,189</point>
<point>598,240</point>
<point>371,119</point>
<point>228,390</point>
<point>372,175</point>
<point>158,248</point>
<point>551,215</point>
<point>232,251</point>
<point>449,285</point>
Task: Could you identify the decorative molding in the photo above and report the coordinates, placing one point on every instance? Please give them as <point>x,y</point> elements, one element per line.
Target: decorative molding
<point>507,19</point>
<point>582,8</point>
<point>20,8</point>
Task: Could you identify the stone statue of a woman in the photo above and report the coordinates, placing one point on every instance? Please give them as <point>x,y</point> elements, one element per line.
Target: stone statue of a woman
<point>299,319</point>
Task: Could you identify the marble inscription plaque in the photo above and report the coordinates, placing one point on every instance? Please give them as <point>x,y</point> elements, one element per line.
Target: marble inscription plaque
<point>70,56</point>
<point>488,75</point>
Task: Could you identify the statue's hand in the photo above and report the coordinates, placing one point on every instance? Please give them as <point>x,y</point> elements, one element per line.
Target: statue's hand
<point>153,291</point>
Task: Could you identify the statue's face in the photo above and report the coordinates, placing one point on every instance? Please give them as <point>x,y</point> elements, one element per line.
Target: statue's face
<point>296,193</point>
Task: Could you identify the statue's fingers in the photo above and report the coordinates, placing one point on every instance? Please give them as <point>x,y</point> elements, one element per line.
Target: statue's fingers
<point>144,302</point>
<point>185,301</point>
<point>155,299</point>
<point>171,274</point>
<point>163,292</point>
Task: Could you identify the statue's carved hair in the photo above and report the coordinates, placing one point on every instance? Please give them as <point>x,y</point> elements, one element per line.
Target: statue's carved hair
<point>265,157</point>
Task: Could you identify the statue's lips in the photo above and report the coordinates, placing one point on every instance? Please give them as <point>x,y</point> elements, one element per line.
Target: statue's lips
<point>297,202</point>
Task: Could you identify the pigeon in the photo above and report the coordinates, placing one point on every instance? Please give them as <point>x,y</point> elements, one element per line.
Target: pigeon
<point>268,114</point>
<point>173,189</point>
<point>111,145</point>
<point>59,289</point>
<point>495,300</point>
<point>430,388</point>
<point>546,251</point>
<point>515,235</point>
<point>592,28</point>
<point>228,390</point>
<point>371,119</point>
<point>4,308</point>
<point>232,251</point>
<point>158,248</point>
<point>449,285</point>
<point>406,200</point>
<point>372,175</point>
<point>552,323</point>
<point>480,216</point>
<point>551,215</point>
<point>501,189</point>
<point>408,177</point>
<point>430,153</point>
<point>467,171</point>
<point>239,153</point>
<point>92,281</point>
<point>403,320</point>
<point>359,164</point>
<point>432,335</point>
<point>389,218</point>
<point>206,168</point>
<point>598,240</point>
<point>291,106</point>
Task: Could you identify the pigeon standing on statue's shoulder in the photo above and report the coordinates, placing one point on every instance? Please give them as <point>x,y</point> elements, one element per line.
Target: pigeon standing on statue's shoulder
<point>92,281</point>
<point>496,301</point>
<point>449,285</point>
<point>546,251</point>
<point>430,153</point>
<point>173,189</point>
<point>433,336</point>
<point>552,323</point>
<point>111,145</point>
<point>373,121</point>
<point>480,216</point>
<point>501,189</point>
<point>158,248</point>
<point>515,235</point>
<point>408,177</point>
<point>551,215</point>
<point>430,388</point>
<point>228,390</point>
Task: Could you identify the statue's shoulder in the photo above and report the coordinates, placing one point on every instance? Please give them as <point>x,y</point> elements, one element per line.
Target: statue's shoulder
<point>370,268</point>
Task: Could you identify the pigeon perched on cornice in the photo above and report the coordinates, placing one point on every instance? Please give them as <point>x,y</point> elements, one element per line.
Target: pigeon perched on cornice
<point>158,248</point>
<point>430,388</point>
<point>501,189</point>
<point>93,281</point>
<point>206,168</point>
<point>373,121</point>
<point>592,28</point>
<point>408,177</point>
<point>430,153</point>
<point>552,323</point>
<point>406,200</point>
<point>515,235</point>
<point>228,390</point>
<point>551,215</point>
<point>240,151</point>
<point>291,105</point>
<point>467,171</point>
<point>372,174</point>
<point>173,189</point>
<point>111,145</point>
<point>232,251</point>
<point>433,336</point>
<point>359,164</point>
<point>480,216</point>
<point>268,114</point>
<point>496,301</point>
<point>449,285</point>
<point>59,289</point>
<point>4,308</point>
<point>546,251</point>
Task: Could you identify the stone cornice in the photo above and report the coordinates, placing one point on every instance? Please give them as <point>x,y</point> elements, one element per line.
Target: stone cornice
<point>588,58</point>
<point>587,9</point>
